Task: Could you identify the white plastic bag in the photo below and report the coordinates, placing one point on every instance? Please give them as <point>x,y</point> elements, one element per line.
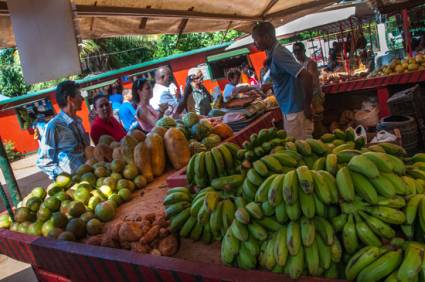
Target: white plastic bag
<point>360,132</point>
<point>384,136</point>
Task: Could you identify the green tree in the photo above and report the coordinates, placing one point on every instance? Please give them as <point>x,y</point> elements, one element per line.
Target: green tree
<point>11,78</point>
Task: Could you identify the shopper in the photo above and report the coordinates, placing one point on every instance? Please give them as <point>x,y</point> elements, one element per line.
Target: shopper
<point>292,84</point>
<point>146,115</point>
<point>196,90</point>
<point>63,143</point>
<point>164,91</point>
<point>115,97</point>
<point>105,123</point>
<point>127,111</point>
<point>231,90</point>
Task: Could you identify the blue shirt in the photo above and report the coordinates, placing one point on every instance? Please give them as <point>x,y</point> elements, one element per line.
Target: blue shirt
<point>228,92</point>
<point>127,115</point>
<point>62,146</point>
<point>116,100</point>
<point>284,70</point>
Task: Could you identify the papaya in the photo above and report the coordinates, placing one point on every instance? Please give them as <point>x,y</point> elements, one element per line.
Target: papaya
<point>138,135</point>
<point>177,147</point>
<point>159,130</point>
<point>127,148</point>
<point>156,148</point>
<point>223,130</point>
<point>142,159</point>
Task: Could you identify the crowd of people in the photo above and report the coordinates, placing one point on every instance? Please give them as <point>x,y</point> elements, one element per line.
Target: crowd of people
<point>118,110</point>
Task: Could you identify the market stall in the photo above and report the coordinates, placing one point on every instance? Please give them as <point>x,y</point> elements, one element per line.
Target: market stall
<point>253,205</point>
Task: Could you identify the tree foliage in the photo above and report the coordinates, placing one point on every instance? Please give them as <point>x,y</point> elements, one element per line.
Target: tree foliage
<point>104,54</point>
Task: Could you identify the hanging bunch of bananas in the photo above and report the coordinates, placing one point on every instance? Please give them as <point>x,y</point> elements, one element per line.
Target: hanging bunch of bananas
<point>221,161</point>
<point>391,263</point>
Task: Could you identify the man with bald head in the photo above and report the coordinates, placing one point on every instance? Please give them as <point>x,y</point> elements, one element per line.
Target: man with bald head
<point>164,91</point>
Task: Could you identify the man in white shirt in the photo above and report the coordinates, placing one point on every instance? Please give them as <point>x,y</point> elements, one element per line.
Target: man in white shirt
<point>164,91</point>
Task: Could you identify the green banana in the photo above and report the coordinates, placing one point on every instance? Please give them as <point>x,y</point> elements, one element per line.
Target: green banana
<point>295,265</point>
<point>345,156</point>
<point>421,213</point>
<point>227,156</point>
<point>210,166</point>
<point>244,259</point>
<point>200,166</point>
<point>249,190</point>
<point>239,202</point>
<point>319,207</point>
<point>272,163</point>
<point>178,189</point>
<point>293,238</point>
<point>267,209</point>
<point>376,148</point>
<point>419,157</point>
<point>361,260</point>
<point>379,227</point>
<point>410,185</point>
<point>177,221</point>
<point>280,248</point>
<point>307,204</point>
<point>308,231</point>
<point>382,162</point>
<point>257,231</point>
<point>363,165</point>
<point>216,219</point>
<point>218,161</point>
<point>269,223</point>
<point>331,183</point>
<point>254,177</point>
<point>190,170</point>
<point>386,214</point>
<point>293,211</point>
<point>252,245</point>
<point>290,187</point>
<point>398,183</point>
<point>412,264</point>
<point>317,146</point>
<point>345,184</point>
<point>339,221</point>
<point>364,188</point>
<point>412,208</point>
<point>408,231</point>
<point>349,236</point>
<point>242,215</point>
<point>203,215</point>
<point>228,214</point>
<point>196,205</point>
<point>336,251</point>
<point>416,173</point>
<point>324,253</point>
<point>365,234</point>
<point>394,202</point>
<point>286,159</point>
<point>275,190</point>
<point>280,213</point>
<point>261,168</point>
<point>239,230</point>
<point>211,200</point>
<point>325,229</point>
<point>174,209</point>
<point>398,165</point>
<point>305,179</point>
<point>332,271</point>
<point>196,232</point>
<point>263,190</point>
<point>229,248</point>
<point>254,210</point>
<point>393,149</point>
<point>381,267</point>
<point>321,188</point>
<point>176,197</point>
<point>320,164</point>
<point>331,163</point>
<point>188,226</point>
<point>383,186</point>
<point>312,259</point>
<point>303,147</point>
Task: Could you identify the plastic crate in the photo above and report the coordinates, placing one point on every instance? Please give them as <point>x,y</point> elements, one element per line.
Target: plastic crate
<point>408,102</point>
<point>267,120</point>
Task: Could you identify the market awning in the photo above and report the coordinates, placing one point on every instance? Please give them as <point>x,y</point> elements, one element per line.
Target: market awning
<point>107,18</point>
<point>312,21</point>
<point>226,55</point>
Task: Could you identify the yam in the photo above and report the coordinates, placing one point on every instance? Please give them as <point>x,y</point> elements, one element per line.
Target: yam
<point>89,152</point>
<point>117,154</point>
<point>177,148</point>
<point>150,235</point>
<point>168,246</point>
<point>103,153</point>
<point>130,232</point>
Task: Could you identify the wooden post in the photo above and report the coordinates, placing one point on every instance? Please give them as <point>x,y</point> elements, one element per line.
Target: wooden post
<point>407,35</point>
<point>12,185</point>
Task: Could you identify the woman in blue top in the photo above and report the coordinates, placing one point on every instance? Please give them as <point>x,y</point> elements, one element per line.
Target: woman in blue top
<point>127,111</point>
<point>115,97</point>
<point>231,90</point>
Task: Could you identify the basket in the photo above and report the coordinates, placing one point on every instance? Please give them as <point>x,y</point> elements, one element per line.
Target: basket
<point>408,102</point>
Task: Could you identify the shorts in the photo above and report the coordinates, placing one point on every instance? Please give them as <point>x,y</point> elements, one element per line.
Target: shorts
<point>297,126</point>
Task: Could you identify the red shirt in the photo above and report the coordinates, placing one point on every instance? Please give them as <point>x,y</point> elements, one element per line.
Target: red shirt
<point>111,127</point>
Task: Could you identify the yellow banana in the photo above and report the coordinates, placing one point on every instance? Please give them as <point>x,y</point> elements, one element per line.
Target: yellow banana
<point>331,163</point>
<point>211,200</point>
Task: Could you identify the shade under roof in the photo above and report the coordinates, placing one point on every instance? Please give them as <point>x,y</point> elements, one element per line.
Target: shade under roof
<point>106,18</point>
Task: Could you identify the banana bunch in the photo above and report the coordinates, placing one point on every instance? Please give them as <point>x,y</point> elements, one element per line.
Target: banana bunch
<point>364,224</point>
<point>261,144</point>
<point>387,263</point>
<point>415,215</point>
<point>221,161</point>
<point>304,246</point>
<point>339,137</point>
<point>263,168</point>
<point>299,192</point>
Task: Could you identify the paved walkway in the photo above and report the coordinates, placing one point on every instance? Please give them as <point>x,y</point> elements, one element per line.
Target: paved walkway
<point>28,176</point>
